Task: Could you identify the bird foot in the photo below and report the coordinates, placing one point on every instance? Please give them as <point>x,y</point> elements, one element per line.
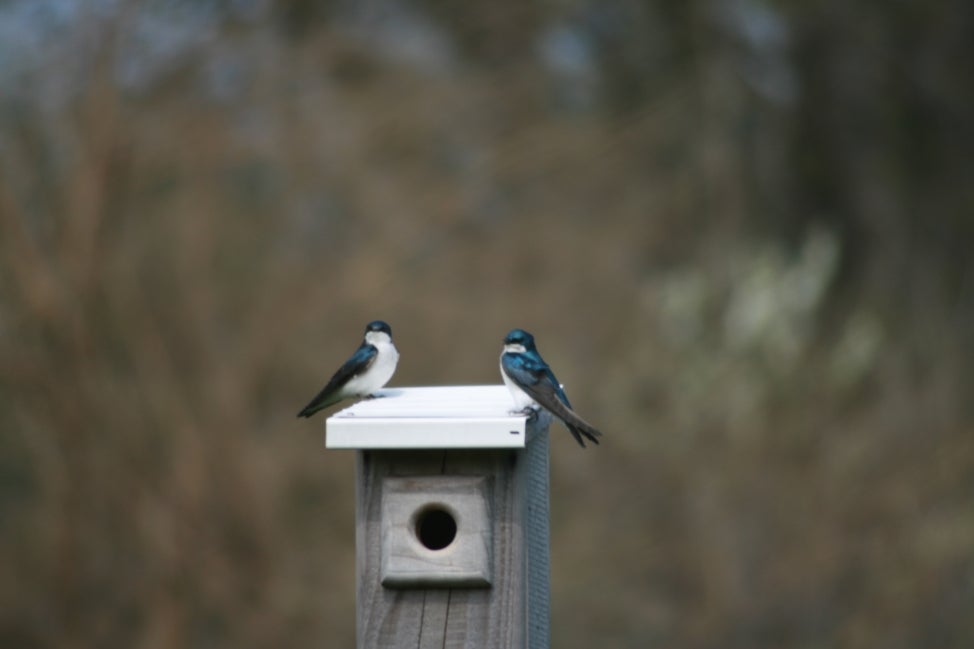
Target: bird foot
<point>528,411</point>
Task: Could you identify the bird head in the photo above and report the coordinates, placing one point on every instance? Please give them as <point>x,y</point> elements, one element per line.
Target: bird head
<point>377,330</point>
<point>518,340</point>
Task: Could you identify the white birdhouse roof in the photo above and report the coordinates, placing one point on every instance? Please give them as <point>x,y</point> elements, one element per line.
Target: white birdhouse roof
<point>466,416</point>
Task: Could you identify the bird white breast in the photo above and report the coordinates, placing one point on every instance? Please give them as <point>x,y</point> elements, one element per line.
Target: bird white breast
<point>380,371</point>
<point>521,398</point>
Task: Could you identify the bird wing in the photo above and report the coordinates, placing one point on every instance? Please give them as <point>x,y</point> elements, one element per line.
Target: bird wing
<point>359,362</point>
<point>534,376</point>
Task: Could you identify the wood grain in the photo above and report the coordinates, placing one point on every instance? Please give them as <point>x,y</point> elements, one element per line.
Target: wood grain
<point>482,618</point>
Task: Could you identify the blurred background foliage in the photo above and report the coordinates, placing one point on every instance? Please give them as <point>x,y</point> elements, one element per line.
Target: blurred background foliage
<point>741,231</point>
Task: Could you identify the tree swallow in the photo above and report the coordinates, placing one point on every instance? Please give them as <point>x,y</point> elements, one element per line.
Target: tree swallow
<point>368,369</point>
<point>532,384</point>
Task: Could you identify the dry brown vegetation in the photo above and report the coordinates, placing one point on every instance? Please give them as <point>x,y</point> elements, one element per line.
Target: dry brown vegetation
<point>749,261</point>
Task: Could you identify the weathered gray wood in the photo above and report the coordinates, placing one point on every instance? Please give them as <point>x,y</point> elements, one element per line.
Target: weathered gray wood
<point>465,561</point>
<point>483,618</point>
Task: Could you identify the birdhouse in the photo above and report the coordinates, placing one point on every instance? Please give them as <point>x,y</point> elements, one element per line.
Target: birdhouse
<point>451,518</point>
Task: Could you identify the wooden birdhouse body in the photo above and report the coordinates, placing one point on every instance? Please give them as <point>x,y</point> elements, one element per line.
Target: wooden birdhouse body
<point>451,519</point>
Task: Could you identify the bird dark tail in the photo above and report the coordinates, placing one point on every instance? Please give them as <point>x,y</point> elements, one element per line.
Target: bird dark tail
<point>578,427</point>
<point>308,411</point>
<point>587,432</point>
<point>321,401</point>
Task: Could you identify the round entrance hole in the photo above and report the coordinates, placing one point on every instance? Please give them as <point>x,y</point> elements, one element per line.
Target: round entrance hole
<point>435,527</point>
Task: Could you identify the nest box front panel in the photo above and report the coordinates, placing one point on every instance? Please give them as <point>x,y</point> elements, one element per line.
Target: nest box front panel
<point>436,532</point>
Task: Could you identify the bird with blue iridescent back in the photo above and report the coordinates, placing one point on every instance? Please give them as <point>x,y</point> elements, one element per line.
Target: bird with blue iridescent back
<point>364,373</point>
<point>533,385</point>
